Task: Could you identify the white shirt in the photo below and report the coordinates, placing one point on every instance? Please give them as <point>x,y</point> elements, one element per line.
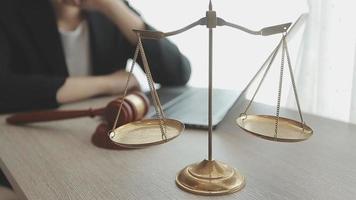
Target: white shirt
<point>76,47</point>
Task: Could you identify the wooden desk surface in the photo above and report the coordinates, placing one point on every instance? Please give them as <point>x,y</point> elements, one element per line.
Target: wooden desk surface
<point>58,161</point>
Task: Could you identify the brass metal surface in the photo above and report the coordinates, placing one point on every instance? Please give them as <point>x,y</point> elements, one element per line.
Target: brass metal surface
<point>145,133</point>
<point>264,126</point>
<point>210,177</point>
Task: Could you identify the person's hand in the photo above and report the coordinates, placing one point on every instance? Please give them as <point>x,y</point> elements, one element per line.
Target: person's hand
<point>117,11</point>
<point>116,82</point>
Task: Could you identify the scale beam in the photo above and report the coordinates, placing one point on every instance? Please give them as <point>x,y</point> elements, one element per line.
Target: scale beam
<point>156,35</point>
<point>266,31</point>
<point>207,21</point>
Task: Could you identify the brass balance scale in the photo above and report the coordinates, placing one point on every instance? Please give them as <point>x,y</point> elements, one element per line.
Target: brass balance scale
<point>211,177</point>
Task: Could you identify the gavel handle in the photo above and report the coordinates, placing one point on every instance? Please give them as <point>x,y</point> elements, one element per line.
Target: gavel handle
<point>45,116</point>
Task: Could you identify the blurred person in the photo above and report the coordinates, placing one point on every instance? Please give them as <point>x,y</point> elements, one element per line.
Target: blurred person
<point>54,52</point>
<point>59,51</point>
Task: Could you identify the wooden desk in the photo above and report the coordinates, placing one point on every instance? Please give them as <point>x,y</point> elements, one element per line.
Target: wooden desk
<point>58,161</point>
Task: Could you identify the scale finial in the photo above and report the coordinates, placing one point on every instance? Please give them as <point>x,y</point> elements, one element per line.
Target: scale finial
<point>210,5</point>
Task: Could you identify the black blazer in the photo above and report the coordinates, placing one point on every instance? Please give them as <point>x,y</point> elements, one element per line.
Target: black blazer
<point>32,63</point>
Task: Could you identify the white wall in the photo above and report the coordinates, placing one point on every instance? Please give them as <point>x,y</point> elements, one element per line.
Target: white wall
<point>237,55</point>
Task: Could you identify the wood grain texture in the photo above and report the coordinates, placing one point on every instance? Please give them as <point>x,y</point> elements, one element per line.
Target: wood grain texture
<point>57,160</point>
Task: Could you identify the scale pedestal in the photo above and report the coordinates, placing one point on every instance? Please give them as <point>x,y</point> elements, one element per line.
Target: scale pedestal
<point>210,177</point>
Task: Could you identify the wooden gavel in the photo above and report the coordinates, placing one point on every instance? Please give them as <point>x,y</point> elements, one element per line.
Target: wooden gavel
<point>134,107</point>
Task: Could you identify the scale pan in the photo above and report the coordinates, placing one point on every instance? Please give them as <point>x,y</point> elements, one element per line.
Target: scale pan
<point>145,133</point>
<point>264,126</point>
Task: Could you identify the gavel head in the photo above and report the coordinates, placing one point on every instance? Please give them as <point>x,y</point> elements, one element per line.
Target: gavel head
<point>134,107</point>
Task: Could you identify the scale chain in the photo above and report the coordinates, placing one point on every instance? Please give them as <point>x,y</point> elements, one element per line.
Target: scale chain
<point>293,82</point>
<point>263,77</point>
<point>156,101</point>
<point>280,89</point>
<point>126,88</point>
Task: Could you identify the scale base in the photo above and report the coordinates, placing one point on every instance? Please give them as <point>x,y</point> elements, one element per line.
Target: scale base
<point>210,177</point>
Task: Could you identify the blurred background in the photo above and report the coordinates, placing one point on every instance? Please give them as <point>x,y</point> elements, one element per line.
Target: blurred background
<point>322,52</point>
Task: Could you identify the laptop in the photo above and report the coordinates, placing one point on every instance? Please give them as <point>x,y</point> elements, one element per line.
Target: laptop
<point>190,105</point>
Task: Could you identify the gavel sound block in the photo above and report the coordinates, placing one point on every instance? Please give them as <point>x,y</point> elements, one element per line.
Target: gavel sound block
<point>134,107</point>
